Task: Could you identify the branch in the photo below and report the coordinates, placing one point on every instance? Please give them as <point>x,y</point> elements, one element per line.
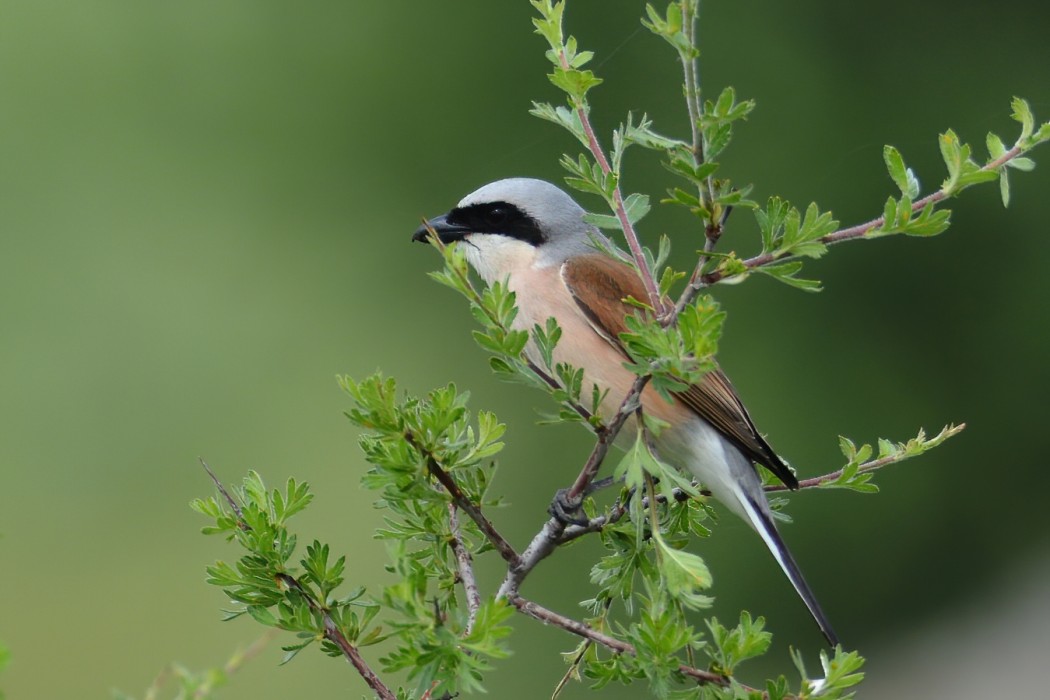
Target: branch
<point>333,634</point>
<point>463,503</point>
<point>630,404</point>
<point>466,570</point>
<point>860,230</point>
<point>900,455</point>
<point>646,275</point>
<point>692,89</point>
<point>697,281</point>
<point>331,630</point>
<point>550,535</point>
<point>226,495</point>
<point>619,509</point>
<point>538,612</point>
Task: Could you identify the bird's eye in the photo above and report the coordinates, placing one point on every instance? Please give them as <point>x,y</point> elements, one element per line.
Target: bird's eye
<point>497,216</point>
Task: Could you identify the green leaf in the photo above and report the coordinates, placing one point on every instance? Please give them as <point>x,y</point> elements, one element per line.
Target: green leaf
<point>262,616</point>
<point>549,26</point>
<point>566,118</point>
<point>771,222</point>
<point>575,83</point>
<point>636,206</point>
<point>546,338</point>
<point>1021,112</point>
<point>1040,136</point>
<point>889,215</point>
<point>930,222</point>
<point>1021,163</point>
<point>952,153</point>
<point>901,175</point>
<point>995,145</point>
<point>785,272</point>
<point>684,573</point>
<point>732,646</point>
<point>610,222</point>
<point>603,221</point>
<point>293,650</point>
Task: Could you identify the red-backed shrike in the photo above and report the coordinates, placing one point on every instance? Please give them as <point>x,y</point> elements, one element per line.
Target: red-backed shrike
<point>532,235</point>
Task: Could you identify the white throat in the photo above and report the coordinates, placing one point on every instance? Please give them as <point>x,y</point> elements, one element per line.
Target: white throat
<point>498,257</point>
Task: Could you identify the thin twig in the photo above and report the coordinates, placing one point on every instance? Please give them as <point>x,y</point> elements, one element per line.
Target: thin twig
<point>697,281</point>
<point>858,231</point>
<point>691,75</point>
<point>692,84</point>
<point>619,508</point>
<point>333,634</point>
<point>226,495</point>
<point>705,190</point>
<point>869,466</point>
<point>646,275</point>
<point>538,612</point>
<point>331,629</point>
<point>464,504</point>
<point>466,569</point>
<point>628,406</point>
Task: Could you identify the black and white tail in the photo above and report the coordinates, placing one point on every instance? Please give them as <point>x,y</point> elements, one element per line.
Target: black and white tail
<point>761,519</point>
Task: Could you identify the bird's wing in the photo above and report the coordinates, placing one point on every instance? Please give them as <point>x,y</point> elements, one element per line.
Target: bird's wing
<point>599,285</point>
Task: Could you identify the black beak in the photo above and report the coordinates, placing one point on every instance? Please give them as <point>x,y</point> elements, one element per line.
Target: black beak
<point>446,232</point>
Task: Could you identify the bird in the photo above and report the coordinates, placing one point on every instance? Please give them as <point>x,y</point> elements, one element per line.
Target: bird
<point>532,236</point>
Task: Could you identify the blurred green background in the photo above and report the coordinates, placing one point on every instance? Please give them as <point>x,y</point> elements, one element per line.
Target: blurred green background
<point>205,211</point>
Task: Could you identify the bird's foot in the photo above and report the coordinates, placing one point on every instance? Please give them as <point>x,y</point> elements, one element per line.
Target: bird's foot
<point>566,509</point>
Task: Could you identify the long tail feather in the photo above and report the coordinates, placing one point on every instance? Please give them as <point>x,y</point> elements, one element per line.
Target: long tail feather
<point>763,523</point>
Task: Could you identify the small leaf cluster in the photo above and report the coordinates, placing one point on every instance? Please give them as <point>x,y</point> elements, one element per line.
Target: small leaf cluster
<point>408,439</point>
<point>747,640</point>
<point>437,648</point>
<point>963,172</point>
<point>841,672</point>
<point>266,583</point>
<point>674,356</point>
<point>707,197</point>
<point>787,233</point>
<point>648,548</point>
<point>1029,138</point>
<point>493,308</point>
<point>856,474</point>
<point>649,571</point>
<point>409,433</point>
<point>569,75</point>
<point>662,643</point>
